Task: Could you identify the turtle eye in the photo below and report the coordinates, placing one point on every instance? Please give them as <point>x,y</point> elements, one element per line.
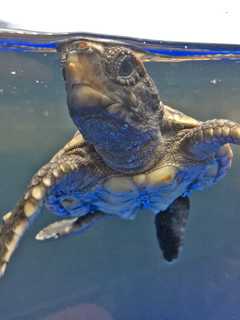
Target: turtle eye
<point>126,67</point>
<point>122,66</point>
<point>127,72</point>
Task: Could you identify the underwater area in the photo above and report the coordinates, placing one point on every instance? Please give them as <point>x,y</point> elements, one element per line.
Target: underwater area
<point>115,271</point>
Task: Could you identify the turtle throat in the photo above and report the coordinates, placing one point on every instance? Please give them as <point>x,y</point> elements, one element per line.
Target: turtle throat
<point>123,147</point>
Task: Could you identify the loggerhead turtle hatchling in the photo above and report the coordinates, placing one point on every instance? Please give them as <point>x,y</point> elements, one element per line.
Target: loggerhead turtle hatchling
<point>131,152</point>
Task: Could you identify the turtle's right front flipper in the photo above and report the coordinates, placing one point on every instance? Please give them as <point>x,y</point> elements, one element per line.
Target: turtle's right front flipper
<point>15,222</point>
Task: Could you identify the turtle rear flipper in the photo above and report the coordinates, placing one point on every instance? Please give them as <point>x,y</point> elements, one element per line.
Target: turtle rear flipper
<point>69,226</point>
<point>170,226</point>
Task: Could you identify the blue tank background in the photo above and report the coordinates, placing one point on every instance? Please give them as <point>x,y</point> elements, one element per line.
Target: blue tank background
<point>117,265</point>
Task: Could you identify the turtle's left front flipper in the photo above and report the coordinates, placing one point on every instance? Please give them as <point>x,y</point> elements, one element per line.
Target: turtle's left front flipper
<point>170,226</point>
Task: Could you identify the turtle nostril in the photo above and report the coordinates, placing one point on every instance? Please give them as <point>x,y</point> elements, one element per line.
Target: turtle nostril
<point>84,47</point>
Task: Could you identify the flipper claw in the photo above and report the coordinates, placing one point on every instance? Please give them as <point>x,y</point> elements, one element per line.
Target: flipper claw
<point>69,226</point>
<point>56,230</point>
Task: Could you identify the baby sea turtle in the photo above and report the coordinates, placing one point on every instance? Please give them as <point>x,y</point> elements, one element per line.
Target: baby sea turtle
<point>131,152</point>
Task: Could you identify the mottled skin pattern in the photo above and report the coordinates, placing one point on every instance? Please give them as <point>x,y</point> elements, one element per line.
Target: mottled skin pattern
<point>133,152</point>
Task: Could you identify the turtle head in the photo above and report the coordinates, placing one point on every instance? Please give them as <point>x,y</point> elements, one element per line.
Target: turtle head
<point>113,102</point>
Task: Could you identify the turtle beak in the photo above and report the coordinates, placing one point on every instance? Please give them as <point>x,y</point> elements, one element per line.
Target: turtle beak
<point>85,97</point>
<point>82,66</point>
<point>84,77</point>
